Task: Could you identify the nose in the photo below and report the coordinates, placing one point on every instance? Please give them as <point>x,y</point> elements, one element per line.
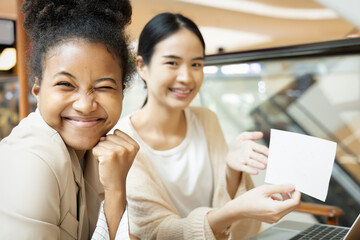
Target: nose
<point>184,74</point>
<point>85,103</point>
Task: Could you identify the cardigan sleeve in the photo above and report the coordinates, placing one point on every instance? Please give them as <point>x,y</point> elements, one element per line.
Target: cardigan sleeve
<point>218,150</point>
<point>151,212</point>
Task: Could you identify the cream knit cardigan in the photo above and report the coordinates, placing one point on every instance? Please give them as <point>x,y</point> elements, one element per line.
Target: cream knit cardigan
<point>151,212</point>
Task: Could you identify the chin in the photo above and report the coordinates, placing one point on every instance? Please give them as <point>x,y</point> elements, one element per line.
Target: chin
<point>181,106</point>
<point>82,144</point>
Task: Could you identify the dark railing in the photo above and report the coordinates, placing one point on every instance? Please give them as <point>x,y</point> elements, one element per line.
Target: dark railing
<point>330,48</point>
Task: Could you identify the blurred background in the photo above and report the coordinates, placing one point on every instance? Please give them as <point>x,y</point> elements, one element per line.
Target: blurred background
<point>285,64</point>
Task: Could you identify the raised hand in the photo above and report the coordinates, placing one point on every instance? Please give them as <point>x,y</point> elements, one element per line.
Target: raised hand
<point>246,155</point>
<point>116,153</point>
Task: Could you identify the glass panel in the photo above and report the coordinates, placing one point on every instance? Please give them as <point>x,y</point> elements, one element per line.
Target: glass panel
<point>318,96</point>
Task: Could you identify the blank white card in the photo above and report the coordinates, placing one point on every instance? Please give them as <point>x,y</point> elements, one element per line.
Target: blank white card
<point>301,160</point>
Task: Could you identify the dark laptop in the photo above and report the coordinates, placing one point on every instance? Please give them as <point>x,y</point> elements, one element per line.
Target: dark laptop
<point>291,230</point>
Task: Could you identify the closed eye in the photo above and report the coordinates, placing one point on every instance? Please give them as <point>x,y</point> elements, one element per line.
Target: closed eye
<point>65,84</point>
<point>105,88</point>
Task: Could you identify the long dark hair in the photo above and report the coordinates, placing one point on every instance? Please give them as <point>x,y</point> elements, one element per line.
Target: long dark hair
<point>160,27</point>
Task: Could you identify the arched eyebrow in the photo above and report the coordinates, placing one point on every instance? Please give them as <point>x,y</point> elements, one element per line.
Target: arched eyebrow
<point>106,79</point>
<point>66,74</point>
<point>199,58</point>
<point>171,56</point>
<point>97,80</point>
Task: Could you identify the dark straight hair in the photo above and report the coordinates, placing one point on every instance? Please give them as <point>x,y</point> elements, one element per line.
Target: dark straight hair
<point>160,27</point>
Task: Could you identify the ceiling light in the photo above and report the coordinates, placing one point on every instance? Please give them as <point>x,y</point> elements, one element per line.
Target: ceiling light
<point>242,68</point>
<point>210,69</point>
<point>7,59</point>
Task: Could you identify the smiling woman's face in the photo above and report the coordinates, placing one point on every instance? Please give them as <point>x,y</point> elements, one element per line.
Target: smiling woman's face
<point>80,95</point>
<point>175,72</point>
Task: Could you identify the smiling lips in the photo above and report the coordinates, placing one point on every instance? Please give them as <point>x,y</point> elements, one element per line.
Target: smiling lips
<point>181,92</point>
<point>83,122</point>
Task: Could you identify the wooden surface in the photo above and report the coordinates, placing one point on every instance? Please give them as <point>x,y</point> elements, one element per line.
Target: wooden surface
<point>22,76</point>
<point>330,212</point>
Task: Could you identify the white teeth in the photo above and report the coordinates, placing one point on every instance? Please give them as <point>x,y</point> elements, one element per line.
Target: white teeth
<point>182,91</point>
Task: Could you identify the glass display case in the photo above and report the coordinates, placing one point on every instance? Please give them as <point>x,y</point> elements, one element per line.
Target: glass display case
<point>312,89</point>
<point>9,116</point>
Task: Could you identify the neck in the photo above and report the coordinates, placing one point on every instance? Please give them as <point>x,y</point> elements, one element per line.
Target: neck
<point>80,154</point>
<point>161,128</point>
<point>164,119</point>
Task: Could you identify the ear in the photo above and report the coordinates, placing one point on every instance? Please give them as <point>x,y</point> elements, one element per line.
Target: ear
<point>141,67</point>
<point>36,89</point>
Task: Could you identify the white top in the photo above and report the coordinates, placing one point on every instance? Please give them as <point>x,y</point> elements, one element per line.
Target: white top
<point>185,169</point>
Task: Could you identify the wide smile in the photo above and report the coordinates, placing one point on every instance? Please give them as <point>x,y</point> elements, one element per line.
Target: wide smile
<point>181,92</point>
<point>83,122</point>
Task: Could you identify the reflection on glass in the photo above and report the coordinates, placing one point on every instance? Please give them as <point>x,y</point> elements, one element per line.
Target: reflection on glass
<point>318,96</point>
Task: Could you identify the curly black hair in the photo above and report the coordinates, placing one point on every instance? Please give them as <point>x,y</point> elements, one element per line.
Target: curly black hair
<point>49,23</point>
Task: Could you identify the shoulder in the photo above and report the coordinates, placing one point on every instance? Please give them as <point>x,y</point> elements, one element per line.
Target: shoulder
<point>212,129</point>
<point>202,111</point>
<point>142,178</point>
<point>32,128</point>
<point>27,171</point>
<point>30,188</point>
<point>207,118</point>
<point>36,142</point>
<point>142,170</point>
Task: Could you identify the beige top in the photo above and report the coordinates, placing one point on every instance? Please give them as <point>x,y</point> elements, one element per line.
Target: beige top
<point>42,185</point>
<point>152,214</point>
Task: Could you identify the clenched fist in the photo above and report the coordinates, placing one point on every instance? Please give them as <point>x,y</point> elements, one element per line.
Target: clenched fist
<point>116,153</point>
